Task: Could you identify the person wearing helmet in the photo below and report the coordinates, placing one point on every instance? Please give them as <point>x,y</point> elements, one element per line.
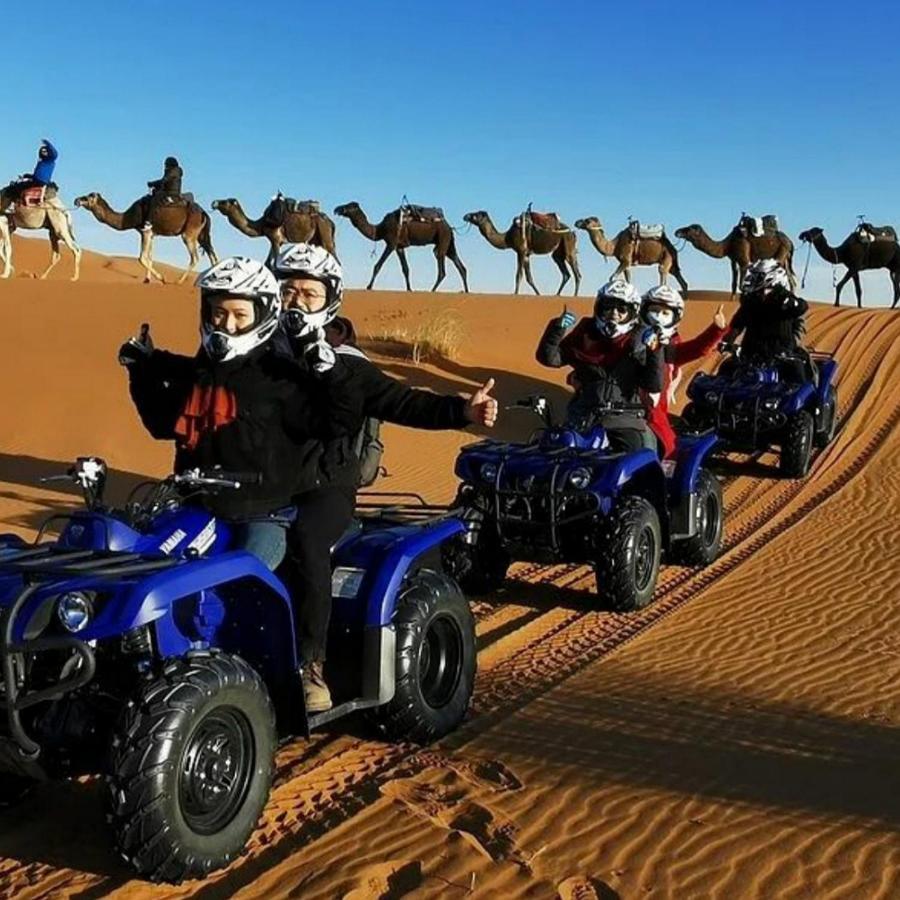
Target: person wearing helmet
<point>770,318</point>
<point>614,358</point>
<point>241,406</point>
<point>662,308</point>
<point>163,190</point>
<point>311,295</point>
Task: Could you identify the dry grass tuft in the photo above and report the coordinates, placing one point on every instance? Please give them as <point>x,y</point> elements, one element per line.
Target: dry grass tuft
<point>439,335</point>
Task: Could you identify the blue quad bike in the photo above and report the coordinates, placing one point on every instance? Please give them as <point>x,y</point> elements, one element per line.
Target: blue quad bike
<point>789,401</point>
<point>565,496</point>
<point>139,646</point>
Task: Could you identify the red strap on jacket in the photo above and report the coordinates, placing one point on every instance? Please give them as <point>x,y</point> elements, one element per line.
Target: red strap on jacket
<point>208,408</point>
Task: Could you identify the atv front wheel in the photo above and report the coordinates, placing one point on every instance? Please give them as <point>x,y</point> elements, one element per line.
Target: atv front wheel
<point>629,545</point>
<point>435,660</point>
<point>704,547</point>
<point>480,566</point>
<point>191,767</point>
<point>828,423</point>
<point>797,446</point>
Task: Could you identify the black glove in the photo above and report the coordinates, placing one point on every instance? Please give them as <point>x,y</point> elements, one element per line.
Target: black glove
<point>136,349</point>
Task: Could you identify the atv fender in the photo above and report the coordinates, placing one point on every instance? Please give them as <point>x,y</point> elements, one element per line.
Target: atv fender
<point>805,397</point>
<point>619,471</point>
<point>692,452</point>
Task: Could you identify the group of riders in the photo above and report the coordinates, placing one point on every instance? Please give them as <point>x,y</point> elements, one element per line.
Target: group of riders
<point>280,388</point>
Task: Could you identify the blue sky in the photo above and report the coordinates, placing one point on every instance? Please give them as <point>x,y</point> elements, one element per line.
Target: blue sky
<point>669,112</point>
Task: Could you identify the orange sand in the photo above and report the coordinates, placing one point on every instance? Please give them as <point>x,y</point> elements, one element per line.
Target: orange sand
<point>745,745</point>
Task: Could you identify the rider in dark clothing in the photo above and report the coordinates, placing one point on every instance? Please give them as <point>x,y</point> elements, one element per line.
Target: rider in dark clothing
<point>770,318</point>
<point>311,293</point>
<point>613,359</point>
<point>164,189</point>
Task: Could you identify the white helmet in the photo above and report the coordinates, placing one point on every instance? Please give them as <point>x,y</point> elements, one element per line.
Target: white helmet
<point>617,294</point>
<point>308,261</point>
<point>238,276</point>
<point>765,275</point>
<point>672,301</point>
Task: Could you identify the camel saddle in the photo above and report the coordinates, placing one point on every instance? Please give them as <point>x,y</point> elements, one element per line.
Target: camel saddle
<point>281,206</point>
<point>757,226</point>
<point>867,232</point>
<point>643,232</point>
<point>415,213</point>
<point>549,221</point>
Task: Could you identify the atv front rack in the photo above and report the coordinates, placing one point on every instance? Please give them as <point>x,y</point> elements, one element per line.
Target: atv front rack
<point>39,566</point>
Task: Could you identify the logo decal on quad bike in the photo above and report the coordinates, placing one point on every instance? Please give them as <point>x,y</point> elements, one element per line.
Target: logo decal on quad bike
<point>205,539</point>
<point>172,541</point>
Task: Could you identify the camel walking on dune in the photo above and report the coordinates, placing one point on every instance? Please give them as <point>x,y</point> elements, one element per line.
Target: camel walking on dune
<point>560,242</point>
<point>188,221</point>
<point>857,255</point>
<point>742,248</point>
<point>282,222</point>
<point>49,214</point>
<point>406,227</point>
<point>636,246</point>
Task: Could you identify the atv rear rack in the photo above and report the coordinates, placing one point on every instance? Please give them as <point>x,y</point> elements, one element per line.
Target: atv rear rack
<point>412,508</point>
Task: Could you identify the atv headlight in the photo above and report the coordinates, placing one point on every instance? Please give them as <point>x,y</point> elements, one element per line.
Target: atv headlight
<point>580,478</point>
<point>771,403</point>
<point>489,472</point>
<point>712,396</point>
<point>346,582</point>
<point>74,611</point>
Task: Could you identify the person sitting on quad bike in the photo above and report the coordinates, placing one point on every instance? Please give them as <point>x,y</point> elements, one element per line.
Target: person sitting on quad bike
<point>662,308</point>
<point>614,358</point>
<point>311,295</point>
<point>241,405</point>
<point>163,190</point>
<point>770,318</point>
<point>42,176</point>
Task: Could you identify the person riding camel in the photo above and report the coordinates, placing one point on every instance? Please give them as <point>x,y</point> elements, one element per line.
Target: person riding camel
<point>662,308</point>
<point>163,190</point>
<point>614,359</point>
<point>771,320</point>
<point>41,177</point>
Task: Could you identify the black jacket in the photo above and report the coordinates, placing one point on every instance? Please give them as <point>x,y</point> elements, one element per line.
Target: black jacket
<point>169,184</point>
<point>273,418</point>
<point>769,326</point>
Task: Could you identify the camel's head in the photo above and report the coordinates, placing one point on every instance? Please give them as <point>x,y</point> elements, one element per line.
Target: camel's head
<point>810,235</point>
<point>591,223</point>
<point>475,218</point>
<point>347,209</point>
<point>688,232</point>
<point>224,206</point>
<point>89,201</point>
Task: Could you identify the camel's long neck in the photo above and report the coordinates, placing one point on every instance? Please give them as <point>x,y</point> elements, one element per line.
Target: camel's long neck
<point>825,250</point>
<point>705,244</point>
<point>250,227</point>
<point>601,242</point>
<point>361,223</point>
<point>491,235</point>
<point>108,216</point>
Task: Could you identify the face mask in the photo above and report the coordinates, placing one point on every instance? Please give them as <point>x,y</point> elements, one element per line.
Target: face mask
<point>613,329</point>
<point>663,320</point>
<point>300,324</point>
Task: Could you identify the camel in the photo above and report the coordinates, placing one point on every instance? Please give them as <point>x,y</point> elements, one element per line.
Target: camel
<point>400,232</point>
<point>561,244</point>
<point>631,251</point>
<point>298,227</point>
<point>189,222</point>
<point>49,214</point>
<point>858,255</point>
<point>742,249</point>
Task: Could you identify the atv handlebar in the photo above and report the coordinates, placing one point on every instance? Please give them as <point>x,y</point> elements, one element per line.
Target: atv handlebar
<point>216,478</point>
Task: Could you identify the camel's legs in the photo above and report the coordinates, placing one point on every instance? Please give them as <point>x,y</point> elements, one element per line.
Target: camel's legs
<point>526,262</point>
<point>388,250</point>
<point>622,270</point>
<point>441,268</point>
<point>734,278</point>
<point>520,267</point>
<point>404,265</point>
<point>68,239</point>
<point>663,268</point>
<point>676,271</point>
<point>559,257</point>
<point>54,254</point>
<point>146,257</point>
<point>839,287</point>
<point>5,247</point>
<point>192,248</point>
<point>858,287</point>
<point>895,282</point>
<point>573,263</point>
<point>454,258</point>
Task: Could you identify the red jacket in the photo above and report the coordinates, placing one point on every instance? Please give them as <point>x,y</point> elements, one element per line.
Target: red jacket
<point>678,354</point>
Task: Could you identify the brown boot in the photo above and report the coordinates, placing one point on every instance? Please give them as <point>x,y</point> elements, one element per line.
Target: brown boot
<point>315,691</point>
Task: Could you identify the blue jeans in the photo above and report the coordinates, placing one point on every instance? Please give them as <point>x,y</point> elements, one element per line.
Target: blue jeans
<point>266,540</point>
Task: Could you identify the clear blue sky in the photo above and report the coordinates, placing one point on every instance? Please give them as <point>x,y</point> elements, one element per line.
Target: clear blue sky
<point>672,112</point>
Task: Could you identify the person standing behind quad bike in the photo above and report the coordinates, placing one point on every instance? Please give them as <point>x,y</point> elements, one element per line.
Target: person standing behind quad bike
<point>614,358</point>
<point>241,405</point>
<point>662,308</point>
<point>311,295</point>
<point>163,189</point>
<point>771,320</point>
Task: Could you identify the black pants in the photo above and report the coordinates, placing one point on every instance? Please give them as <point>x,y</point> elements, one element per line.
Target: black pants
<point>323,516</point>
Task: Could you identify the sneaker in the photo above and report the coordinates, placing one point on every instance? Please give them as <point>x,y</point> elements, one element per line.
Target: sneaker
<point>315,691</point>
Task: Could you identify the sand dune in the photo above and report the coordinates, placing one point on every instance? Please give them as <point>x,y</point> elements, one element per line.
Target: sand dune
<point>738,738</point>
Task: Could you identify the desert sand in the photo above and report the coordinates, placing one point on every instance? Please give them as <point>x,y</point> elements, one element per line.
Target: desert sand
<point>738,738</point>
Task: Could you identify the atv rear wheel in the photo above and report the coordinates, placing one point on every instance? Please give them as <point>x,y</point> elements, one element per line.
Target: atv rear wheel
<point>797,446</point>
<point>435,660</point>
<point>704,547</point>
<point>629,545</point>
<point>828,423</point>
<point>191,767</point>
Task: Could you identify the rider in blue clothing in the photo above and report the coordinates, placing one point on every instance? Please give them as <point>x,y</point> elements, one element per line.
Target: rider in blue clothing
<point>43,171</point>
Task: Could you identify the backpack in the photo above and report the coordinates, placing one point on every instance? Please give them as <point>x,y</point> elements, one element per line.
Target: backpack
<point>366,442</point>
